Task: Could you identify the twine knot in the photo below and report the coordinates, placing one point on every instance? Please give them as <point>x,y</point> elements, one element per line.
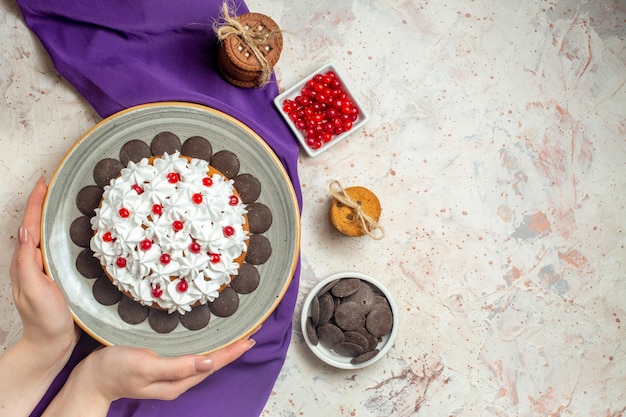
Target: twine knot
<point>371,226</point>
<point>230,26</point>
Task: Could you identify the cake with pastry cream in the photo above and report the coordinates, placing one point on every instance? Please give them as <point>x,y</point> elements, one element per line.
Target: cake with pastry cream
<point>170,232</point>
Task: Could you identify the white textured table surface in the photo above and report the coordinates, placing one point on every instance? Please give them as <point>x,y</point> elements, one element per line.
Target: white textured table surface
<point>497,146</point>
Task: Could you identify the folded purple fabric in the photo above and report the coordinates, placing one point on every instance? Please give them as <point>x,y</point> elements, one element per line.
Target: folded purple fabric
<point>120,53</point>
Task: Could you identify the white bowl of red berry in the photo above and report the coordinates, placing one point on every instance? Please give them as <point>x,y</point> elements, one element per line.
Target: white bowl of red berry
<point>321,110</point>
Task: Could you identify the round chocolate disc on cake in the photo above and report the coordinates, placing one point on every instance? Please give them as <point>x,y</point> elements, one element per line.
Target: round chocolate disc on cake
<point>259,250</point>
<point>163,322</point>
<point>196,319</point>
<point>226,162</point>
<point>165,142</point>
<point>226,304</point>
<point>80,231</point>
<point>88,265</point>
<point>105,292</point>
<point>259,217</point>
<point>247,280</point>
<point>197,147</point>
<point>132,312</point>
<point>88,199</point>
<point>248,187</point>
<point>105,170</point>
<point>134,150</point>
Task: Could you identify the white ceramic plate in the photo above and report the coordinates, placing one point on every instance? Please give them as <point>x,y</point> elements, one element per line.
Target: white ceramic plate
<point>294,91</point>
<point>143,122</point>
<point>328,355</point>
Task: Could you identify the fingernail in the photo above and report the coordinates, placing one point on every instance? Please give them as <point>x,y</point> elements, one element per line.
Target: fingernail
<point>22,235</point>
<point>204,364</point>
<point>251,343</point>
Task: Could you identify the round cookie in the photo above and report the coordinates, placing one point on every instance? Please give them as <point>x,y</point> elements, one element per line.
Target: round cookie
<point>165,142</point>
<point>88,198</point>
<point>226,162</point>
<point>226,304</point>
<point>345,218</point>
<point>105,170</point>
<point>198,318</point>
<point>134,150</point>
<point>163,322</point>
<point>247,280</point>
<point>259,217</point>
<point>105,292</point>
<point>197,147</point>
<point>80,231</point>
<point>132,312</point>
<point>248,187</point>
<point>88,265</point>
<point>259,250</point>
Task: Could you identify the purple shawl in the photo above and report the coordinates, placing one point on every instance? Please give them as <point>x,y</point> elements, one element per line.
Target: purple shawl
<point>119,54</point>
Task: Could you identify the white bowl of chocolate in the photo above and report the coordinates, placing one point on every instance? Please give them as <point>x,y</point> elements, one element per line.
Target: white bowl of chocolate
<point>349,320</point>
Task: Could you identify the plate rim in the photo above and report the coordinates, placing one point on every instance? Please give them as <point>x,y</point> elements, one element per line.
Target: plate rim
<point>163,105</point>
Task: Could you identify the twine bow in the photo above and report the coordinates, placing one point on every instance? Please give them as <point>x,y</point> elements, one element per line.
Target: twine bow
<point>230,26</point>
<point>369,224</point>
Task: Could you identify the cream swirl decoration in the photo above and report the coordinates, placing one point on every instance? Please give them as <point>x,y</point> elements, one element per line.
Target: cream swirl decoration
<point>168,233</point>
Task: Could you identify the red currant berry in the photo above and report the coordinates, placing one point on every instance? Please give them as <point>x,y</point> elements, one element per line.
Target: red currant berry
<point>327,137</point>
<point>121,262</point>
<point>317,144</point>
<point>157,292</point>
<point>107,237</point>
<point>229,231</point>
<point>197,198</point>
<point>195,247</point>
<point>233,200</point>
<point>165,259</point>
<point>182,286</point>
<point>327,79</point>
<point>145,244</point>
<point>214,258</point>
<point>347,125</point>
<point>310,141</point>
<point>137,188</point>
<point>207,181</point>
<point>124,213</point>
<point>173,178</point>
<point>177,225</point>
<point>157,209</point>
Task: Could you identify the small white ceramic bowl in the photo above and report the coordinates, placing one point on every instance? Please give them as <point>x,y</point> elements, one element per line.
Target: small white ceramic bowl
<point>295,91</point>
<point>328,355</point>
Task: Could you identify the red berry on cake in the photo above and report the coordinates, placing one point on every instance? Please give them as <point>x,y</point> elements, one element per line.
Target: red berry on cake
<point>137,188</point>
<point>207,182</point>
<point>107,237</point>
<point>145,244</point>
<point>165,259</point>
<point>195,247</point>
<point>124,213</point>
<point>157,292</point>
<point>182,286</point>
<point>233,200</point>
<point>173,178</point>
<point>121,262</point>
<point>177,225</point>
<point>157,209</point>
<point>214,258</point>
<point>229,231</point>
<point>197,198</point>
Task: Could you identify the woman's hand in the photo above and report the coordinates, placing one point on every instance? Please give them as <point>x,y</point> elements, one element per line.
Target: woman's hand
<point>49,335</point>
<point>117,372</point>
<point>46,318</point>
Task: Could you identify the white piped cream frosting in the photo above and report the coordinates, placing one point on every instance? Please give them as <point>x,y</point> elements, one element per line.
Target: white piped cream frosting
<point>169,234</point>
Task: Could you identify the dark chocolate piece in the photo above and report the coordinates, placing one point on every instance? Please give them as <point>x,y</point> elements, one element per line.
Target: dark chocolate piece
<point>310,331</point>
<point>248,187</point>
<point>330,335</point>
<point>259,217</point>
<point>80,231</point>
<point>259,250</point>
<point>197,147</point>
<point>247,280</point>
<point>364,297</point>
<point>226,162</point>
<point>105,170</point>
<point>349,316</point>
<point>348,349</point>
<point>379,321</point>
<point>364,357</point>
<point>196,319</point>
<point>165,142</point>
<point>327,307</point>
<point>88,199</point>
<point>163,322</point>
<point>226,304</point>
<point>88,265</point>
<point>357,338</point>
<point>134,150</point>
<point>131,311</point>
<point>314,311</point>
<point>346,286</point>
<point>105,292</point>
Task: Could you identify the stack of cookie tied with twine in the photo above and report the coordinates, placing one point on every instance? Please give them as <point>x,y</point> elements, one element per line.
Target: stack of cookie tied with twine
<point>251,45</point>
